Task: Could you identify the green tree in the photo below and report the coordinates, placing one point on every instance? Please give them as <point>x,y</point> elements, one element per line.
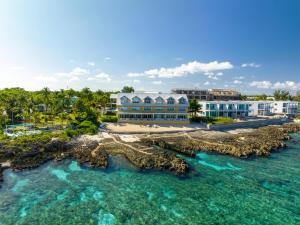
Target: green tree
<point>261,97</point>
<point>195,107</point>
<point>281,95</point>
<point>46,96</point>
<point>127,89</point>
<point>297,97</point>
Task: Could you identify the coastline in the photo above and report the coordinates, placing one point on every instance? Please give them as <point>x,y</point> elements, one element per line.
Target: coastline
<point>150,151</point>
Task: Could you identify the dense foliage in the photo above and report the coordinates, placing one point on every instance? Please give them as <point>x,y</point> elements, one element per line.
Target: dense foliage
<point>79,110</point>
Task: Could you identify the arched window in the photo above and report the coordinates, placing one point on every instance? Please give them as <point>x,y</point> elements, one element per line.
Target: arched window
<point>124,100</point>
<point>159,100</point>
<point>147,100</point>
<point>136,99</point>
<point>171,101</point>
<point>182,100</point>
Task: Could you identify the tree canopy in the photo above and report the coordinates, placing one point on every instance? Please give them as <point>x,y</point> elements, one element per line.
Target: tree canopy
<point>282,95</point>
<point>127,89</point>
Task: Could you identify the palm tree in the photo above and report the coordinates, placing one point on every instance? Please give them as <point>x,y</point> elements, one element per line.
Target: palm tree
<point>46,95</point>
<point>194,107</point>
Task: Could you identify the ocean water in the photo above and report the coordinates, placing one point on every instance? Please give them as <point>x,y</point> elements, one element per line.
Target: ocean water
<point>219,190</point>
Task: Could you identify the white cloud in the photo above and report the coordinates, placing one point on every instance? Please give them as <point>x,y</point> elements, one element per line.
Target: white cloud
<point>103,77</point>
<point>261,84</point>
<point>135,74</point>
<point>185,69</point>
<point>237,82</point>
<point>254,65</point>
<point>79,71</point>
<point>289,85</point>
<point>73,79</point>
<point>75,72</point>
<point>91,63</point>
<point>51,79</point>
<point>206,83</point>
<point>136,81</point>
<point>157,82</point>
<point>213,76</point>
<point>107,58</point>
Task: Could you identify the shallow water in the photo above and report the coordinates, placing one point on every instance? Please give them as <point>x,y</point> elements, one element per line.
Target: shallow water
<point>222,190</point>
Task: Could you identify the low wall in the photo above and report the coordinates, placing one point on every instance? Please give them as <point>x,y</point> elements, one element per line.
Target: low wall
<point>247,124</point>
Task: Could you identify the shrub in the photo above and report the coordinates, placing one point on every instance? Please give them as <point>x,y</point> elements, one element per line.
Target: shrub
<point>212,120</point>
<point>110,119</point>
<point>110,113</point>
<point>87,127</point>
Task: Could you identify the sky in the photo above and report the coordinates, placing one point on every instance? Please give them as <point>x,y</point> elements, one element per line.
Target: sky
<point>251,46</point>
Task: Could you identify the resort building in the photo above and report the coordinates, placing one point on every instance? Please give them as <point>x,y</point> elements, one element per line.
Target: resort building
<point>233,109</point>
<point>152,108</point>
<point>210,94</point>
<point>240,109</point>
<point>224,94</point>
<point>267,108</point>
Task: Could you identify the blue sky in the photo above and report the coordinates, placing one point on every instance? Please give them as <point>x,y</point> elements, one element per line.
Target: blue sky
<point>252,46</point>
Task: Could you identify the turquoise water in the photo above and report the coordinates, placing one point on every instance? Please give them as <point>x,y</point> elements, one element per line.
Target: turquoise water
<point>220,190</point>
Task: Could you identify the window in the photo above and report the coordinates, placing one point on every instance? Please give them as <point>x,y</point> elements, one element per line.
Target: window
<point>124,100</point>
<point>147,100</point>
<point>135,108</point>
<point>181,117</point>
<point>182,109</point>
<point>170,116</point>
<point>123,108</point>
<point>171,109</point>
<point>171,101</point>
<point>147,108</point>
<point>159,100</point>
<point>284,104</point>
<point>136,100</point>
<point>182,100</point>
<point>158,109</point>
<point>212,106</point>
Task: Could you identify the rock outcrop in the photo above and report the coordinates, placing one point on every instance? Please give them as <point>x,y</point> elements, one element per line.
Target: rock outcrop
<point>149,152</point>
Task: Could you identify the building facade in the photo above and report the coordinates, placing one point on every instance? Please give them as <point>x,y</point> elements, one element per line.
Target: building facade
<point>232,109</point>
<point>210,94</point>
<point>268,108</point>
<point>240,109</point>
<point>152,108</point>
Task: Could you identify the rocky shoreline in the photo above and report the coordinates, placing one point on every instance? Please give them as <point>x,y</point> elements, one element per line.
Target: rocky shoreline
<point>148,152</point>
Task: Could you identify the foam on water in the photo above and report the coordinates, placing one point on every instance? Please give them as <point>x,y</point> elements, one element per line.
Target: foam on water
<point>20,185</point>
<point>228,166</point>
<point>60,174</point>
<point>74,167</point>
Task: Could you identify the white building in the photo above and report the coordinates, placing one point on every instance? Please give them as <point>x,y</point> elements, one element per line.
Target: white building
<point>238,109</point>
<point>233,109</point>
<point>152,108</point>
<point>267,108</point>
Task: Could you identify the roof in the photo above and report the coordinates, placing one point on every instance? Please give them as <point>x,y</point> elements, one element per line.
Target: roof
<point>142,96</point>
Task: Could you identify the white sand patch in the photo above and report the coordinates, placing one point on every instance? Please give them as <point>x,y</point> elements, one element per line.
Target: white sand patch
<point>5,164</point>
<point>129,138</point>
<point>139,128</point>
<point>240,131</point>
<point>96,137</point>
<point>106,135</point>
